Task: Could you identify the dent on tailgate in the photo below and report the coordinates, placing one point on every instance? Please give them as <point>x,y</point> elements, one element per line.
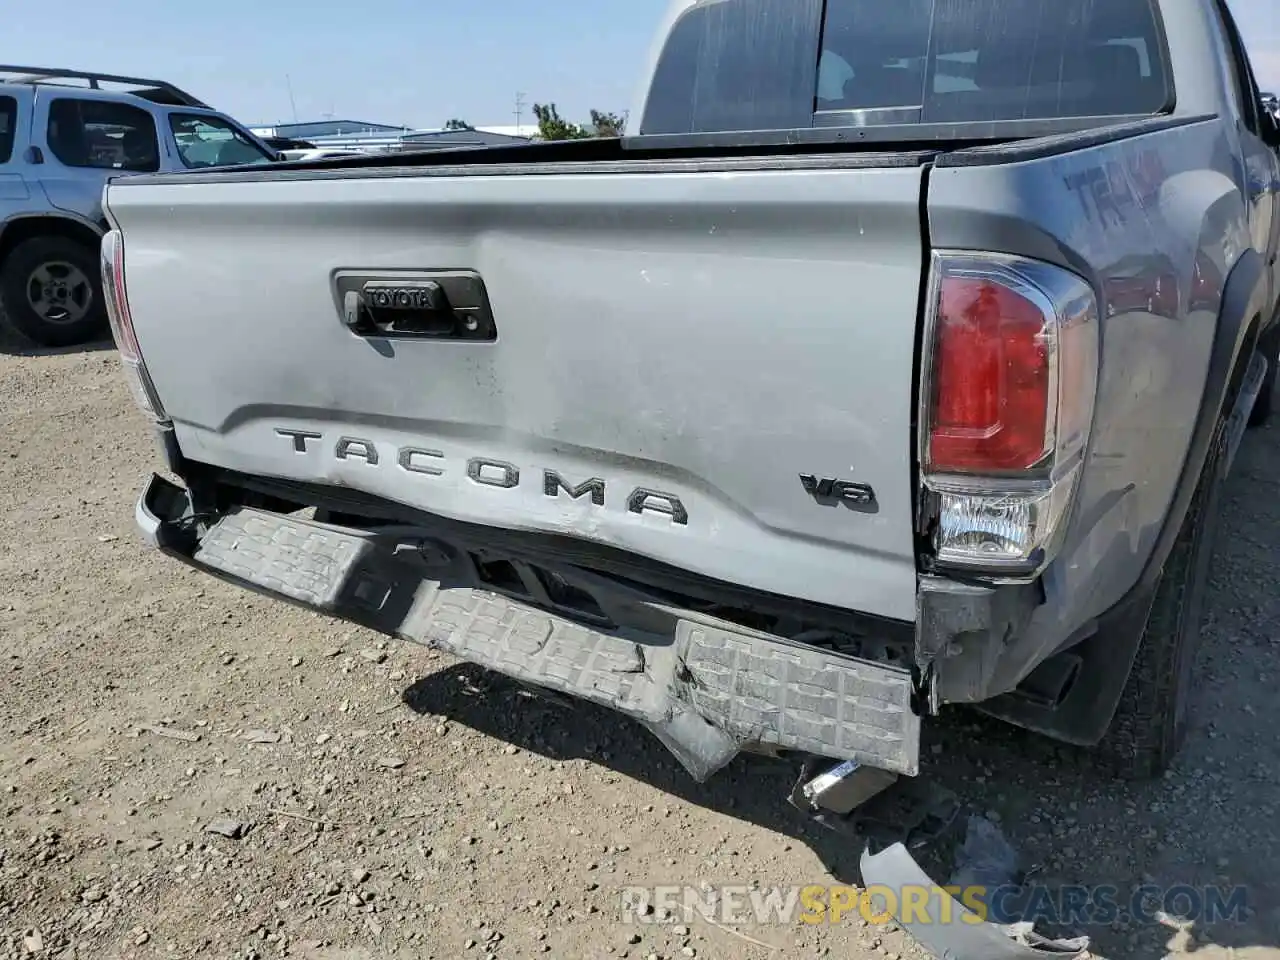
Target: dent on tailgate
<point>707,369</point>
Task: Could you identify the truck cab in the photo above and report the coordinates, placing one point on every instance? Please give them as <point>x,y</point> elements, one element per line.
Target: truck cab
<point>63,134</point>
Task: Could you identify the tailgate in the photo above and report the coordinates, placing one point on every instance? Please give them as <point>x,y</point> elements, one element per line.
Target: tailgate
<point>678,349</point>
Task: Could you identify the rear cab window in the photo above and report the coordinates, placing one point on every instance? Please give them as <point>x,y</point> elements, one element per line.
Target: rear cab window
<point>8,127</point>
<point>741,65</point>
<point>102,134</point>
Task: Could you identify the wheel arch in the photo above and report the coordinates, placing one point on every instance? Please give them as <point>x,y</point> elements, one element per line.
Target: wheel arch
<point>28,226</point>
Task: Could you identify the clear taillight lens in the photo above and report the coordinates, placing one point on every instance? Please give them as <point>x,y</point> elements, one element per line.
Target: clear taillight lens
<point>113,287</point>
<point>1007,403</point>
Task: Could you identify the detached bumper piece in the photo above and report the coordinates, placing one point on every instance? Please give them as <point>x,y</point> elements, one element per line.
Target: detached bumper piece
<point>708,689</point>
<point>945,927</point>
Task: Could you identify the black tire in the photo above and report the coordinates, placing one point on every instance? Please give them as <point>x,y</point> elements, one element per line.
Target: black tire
<point>1150,723</point>
<point>1269,345</point>
<point>59,258</point>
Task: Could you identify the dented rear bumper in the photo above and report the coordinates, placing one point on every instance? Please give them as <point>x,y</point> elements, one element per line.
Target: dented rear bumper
<point>707,688</point>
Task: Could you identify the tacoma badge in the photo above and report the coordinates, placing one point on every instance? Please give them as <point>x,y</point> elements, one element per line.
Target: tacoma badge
<point>497,474</point>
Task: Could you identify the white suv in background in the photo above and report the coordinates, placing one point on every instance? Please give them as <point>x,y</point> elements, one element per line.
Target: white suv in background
<point>63,134</point>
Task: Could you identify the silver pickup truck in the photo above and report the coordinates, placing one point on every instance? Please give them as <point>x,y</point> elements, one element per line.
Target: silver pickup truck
<point>892,361</point>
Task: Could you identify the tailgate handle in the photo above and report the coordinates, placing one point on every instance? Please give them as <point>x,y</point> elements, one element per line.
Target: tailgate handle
<point>414,308</point>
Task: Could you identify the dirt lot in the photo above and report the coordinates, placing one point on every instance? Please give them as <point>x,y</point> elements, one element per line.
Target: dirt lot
<point>398,804</point>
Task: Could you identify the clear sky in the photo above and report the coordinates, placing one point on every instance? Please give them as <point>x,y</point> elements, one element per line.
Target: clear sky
<point>415,62</point>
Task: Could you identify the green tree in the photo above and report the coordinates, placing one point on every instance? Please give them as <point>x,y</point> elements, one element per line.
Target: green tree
<point>456,124</point>
<point>551,126</point>
<point>608,124</point>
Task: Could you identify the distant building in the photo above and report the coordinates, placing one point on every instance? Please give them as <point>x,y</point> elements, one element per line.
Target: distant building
<point>322,129</point>
<point>384,138</point>
<point>479,137</point>
<point>526,131</point>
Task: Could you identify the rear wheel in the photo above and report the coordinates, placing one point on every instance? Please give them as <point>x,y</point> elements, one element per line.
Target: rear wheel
<point>51,289</point>
<point>1151,720</point>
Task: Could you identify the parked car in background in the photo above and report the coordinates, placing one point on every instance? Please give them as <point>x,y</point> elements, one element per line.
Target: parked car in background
<point>288,143</point>
<point>319,153</point>
<point>63,134</point>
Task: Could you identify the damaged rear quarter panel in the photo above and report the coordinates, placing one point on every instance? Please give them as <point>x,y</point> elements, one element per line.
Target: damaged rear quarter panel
<point>1132,217</point>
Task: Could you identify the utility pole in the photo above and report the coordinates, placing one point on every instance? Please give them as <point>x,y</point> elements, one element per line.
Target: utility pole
<point>289,83</point>
<point>519,112</point>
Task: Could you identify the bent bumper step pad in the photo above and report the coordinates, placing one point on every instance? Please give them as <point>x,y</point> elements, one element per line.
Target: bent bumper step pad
<point>706,688</point>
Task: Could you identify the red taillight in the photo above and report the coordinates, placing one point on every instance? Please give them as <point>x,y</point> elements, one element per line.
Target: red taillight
<point>992,379</point>
<point>1006,407</point>
<point>122,331</point>
<point>117,300</point>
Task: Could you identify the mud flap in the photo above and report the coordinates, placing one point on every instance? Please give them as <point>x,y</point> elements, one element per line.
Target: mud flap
<point>944,926</point>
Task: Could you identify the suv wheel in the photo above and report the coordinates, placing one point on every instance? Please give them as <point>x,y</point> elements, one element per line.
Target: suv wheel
<point>1151,721</point>
<point>51,288</point>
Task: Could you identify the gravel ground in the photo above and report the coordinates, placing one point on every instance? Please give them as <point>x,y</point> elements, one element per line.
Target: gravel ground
<point>385,802</point>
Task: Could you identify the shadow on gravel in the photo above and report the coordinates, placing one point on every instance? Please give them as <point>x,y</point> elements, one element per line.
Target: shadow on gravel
<point>751,788</point>
<point>1202,843</point>
<point>14,346</point>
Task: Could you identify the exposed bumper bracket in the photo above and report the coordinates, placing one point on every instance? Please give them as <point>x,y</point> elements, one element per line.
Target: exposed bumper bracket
<point>965,637</point>
<point>866,803</point>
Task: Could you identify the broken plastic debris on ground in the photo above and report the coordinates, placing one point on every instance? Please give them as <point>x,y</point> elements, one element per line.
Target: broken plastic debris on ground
<point>985,862</point>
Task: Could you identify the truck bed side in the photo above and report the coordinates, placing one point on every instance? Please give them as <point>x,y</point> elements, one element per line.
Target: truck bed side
<point>1156,223</point>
